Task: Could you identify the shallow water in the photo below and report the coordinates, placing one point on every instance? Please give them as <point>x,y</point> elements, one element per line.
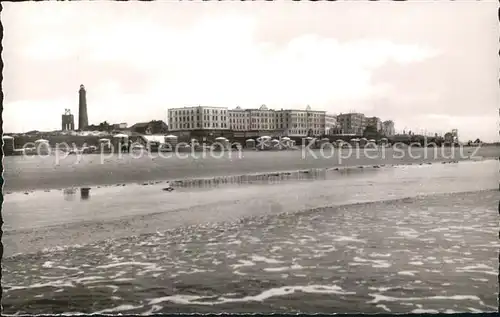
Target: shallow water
<point>357,240</point>
<point>32,173</point>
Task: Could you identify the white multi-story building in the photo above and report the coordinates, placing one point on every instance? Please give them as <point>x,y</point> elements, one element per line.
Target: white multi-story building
<point>262,119</point>
<point>304,122</point>
<point>198,118</point>
<point>239,119</point>
<point>285,122</point>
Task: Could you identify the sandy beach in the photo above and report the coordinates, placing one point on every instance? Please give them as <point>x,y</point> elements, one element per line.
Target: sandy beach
<point>31,173</point>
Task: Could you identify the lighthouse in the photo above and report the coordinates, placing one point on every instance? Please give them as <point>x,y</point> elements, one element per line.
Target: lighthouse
<point>83,120</point>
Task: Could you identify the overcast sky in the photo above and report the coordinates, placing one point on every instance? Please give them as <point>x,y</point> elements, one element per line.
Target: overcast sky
<point>427,65</point>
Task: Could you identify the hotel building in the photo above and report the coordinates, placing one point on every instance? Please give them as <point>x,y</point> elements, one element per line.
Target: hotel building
<point>374,122</point>
<point>198,118</point>
<point>296,123</point>
<point>352,123</point>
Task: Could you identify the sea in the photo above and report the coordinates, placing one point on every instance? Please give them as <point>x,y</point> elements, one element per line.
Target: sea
<point>419,238</point>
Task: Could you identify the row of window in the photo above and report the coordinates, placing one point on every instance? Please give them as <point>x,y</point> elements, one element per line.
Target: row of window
<point>303,132</point>
<point>192,112</point>
<point>198,125</point>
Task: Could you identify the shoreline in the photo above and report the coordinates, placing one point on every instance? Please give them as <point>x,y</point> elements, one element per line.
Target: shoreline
<point>170,222</point>
<point>43,174</point>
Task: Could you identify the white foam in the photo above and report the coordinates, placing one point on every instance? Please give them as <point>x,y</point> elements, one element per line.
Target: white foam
<point>107,266</point>
<point>58,284</point>
<point>382,298</point>
<point>152,310</point>
<point>257,258</point>
<point>242,264</point>
<point>283,268</point>
<point>375,263</point>
<point>48,264</point>
<point>408,273</point>
<point>479,279</point>
<point>118,309</point>
<point>383,307</point>
<point>476,271</point>
<point>477,266</point>
<point>474,310</point>
<point>424,311</point>
<point>275,248</point>
<point>416,263</point>
<point>88,278</point>
<point>380,289</point>
<point>379,255</point>
<point>273,292</point>
<point>349,239</point>
<point>118,274</point>
<point>195,270</point>
<point>124,280</point>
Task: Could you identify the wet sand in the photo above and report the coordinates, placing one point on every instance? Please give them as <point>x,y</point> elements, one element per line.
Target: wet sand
<point>32,173</point>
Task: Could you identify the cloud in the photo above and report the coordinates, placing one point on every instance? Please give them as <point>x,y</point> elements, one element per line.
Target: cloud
<point>146,61</point>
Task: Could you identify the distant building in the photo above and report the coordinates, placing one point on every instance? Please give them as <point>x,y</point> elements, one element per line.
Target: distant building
<point>388,128</point>
<point>83,120</point>
<point>67,121</point>
<point>331,124</point>
<point>198,118</point>
<point>260,120</point>
<point>352,123</point>
<point>301,123</point>
<point>374,122</point>
<point>239,119</point>
<point>151,127</point>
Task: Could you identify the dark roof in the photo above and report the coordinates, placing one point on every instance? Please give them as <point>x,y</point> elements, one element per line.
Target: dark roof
<point>140,125</point>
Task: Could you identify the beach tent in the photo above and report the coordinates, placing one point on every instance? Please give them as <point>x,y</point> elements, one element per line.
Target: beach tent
<point>250,143</point>
<point>222,141</point>
<point>372,141</point>
<point>8,145</point>
<point>263,139</point>
<point>171,140</point>
<point>120,135</point>
<point>363,141</point>
<point>275,141</point>
<point>285,138</point>
<point>355,142</point>
<point>104,140</point>
<point>41,141</point>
